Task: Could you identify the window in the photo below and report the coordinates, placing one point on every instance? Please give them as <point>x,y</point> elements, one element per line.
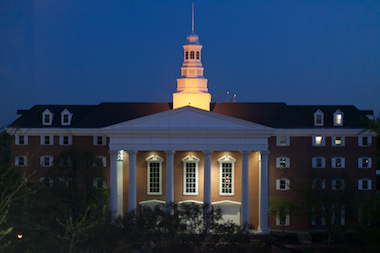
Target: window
<point>100,161</point>
<point>154,173</point>
<point>66,162</point>
<point>46,161</point>
<point>65,140</point>
<point>47,140</point>
<point>47,117</point>
<point>283,220</point>
<point>318,162</point>
<point>197,55</point>
<point>192,55</point>
<point>318,141</point>
<point>365,141</point>
<point>364,162</point>
<point>21,161</point>
<point>187,55</point>
<point>99,140</point>
<point>318,183</point>
<point>282,184</point>
<point>337,184</point>
<point>364,184</point>
<point>337,162</point>
<point>21,140</point>
<point>338,118</point>
<point>66,117</point>
<point>318,118</point>
<point>318,216</point>
<point>283,141</point>
<point>48,182</point>
<point>338,216</point>
<point>337,141</point>
<point>190,175</point>
<point>100,183</point>
<point>283,162</point>
<point>226,181</point>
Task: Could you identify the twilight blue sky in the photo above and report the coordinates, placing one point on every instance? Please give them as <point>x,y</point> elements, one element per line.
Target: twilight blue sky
<point>87,52</point>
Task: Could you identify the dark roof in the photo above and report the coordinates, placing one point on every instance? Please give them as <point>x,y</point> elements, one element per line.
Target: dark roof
<point>276,115</point>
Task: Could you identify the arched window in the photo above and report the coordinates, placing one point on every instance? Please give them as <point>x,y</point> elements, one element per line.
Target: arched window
<point>197,55</point>
<point>187,55</point>
<point>192,55</point>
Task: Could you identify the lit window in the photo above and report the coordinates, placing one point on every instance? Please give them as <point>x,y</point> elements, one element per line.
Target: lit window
<point>197,55</point>
<point>190,175</point>
<point>365,162</point>
<point>283,162</point>
<point>282,184</point>
<point>364,184</point>
<point>338,141</point>
<point>318,162</point>
<point>226,185</point>
<point>338,118</point>
<point>337,162</point>
<point>337,184</point>
<point>318,141</point>
<point>192,55</point>
<point>187,55</point>
<point>154,173</point>
<point>282,141</point>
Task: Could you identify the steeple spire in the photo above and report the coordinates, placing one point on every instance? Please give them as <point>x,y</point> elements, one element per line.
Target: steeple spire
<point>192,19</point>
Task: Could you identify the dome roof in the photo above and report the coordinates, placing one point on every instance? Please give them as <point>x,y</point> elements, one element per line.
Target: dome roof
<point>192,39</point>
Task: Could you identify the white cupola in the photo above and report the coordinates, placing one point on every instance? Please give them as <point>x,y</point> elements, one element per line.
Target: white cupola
<point>192,86</point>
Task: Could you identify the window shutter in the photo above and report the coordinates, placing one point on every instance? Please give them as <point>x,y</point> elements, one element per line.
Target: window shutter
<point>343,216</point>
<point>277,184</point>
<point>323,184</point>
<point>360,184</point>
<point>360,162</point>
<point>287,220</point>
<point>278,220</point>
<point>369,162</point>
<point>333,184</point>
<point>17,159</point>
<point>287,159</point>
<point>314,162</point>
<point>25,160</point>
<point>51,158</point>
<point>104,161</point>
<point>278,162</point>
<point>42,139</point>
<point>343,162</point>
<point>323,162</point>
<point>287,184</point>
<point>42,161</point>
<point>333,162</point>
<point>369,184</point>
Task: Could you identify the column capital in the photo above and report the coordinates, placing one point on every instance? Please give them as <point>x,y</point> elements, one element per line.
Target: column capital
<point>245,154</point>
<point>114,153</point>
<point>264,154</point>
<point>207,152</point>
<point>132,154</point>
<point>169,154</point>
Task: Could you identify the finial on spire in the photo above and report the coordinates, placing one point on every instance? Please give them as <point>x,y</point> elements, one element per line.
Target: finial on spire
<point>192,19</point>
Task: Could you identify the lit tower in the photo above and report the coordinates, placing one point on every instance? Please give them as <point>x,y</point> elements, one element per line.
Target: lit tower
<point>192,86</point>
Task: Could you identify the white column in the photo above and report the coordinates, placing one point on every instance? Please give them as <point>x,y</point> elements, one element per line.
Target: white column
<point>245,189</point>
<point>113,183</point>
<point>120,186</point>
<point>263,196</point>
<point>207,189</point>
<point>169,179</point>
<point>132,181</point>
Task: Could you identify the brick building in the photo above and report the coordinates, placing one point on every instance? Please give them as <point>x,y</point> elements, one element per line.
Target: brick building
<point>230,155</point>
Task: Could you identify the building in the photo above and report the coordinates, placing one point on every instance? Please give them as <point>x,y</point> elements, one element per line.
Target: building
<point>230,155</point>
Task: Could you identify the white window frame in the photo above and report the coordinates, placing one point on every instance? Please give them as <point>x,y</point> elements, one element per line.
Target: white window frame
<point>316,114</point>
<point>51,140</point>
<point>222,160</point>
<point>149,160</point>
<point>314,221</point>
<point>315,183</point>
<point>333,184</point>
<point>283,141</point>
<point>47,113</point>
<point>103,158</point>
<point>17,140</point>
<point>186,160</point>
<point>338,118</point>
<point>369,140</point>
<point>314,162</point>
<point>69,115</point>
<point>17,160</point>
<point>360,184</point>
<point>103,183</point>
<point>333,141</point>
<point>322,141</point>
<point>334,161</point>
<point>278,184</point>
<point>360,162</point>
<point>287,220</point>
<point>95,140</point>
<point>279,164</point>
<point>62,138</point>
<point>42,160</point>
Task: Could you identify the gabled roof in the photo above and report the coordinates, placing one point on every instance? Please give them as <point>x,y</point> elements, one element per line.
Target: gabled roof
<point>275,115</point>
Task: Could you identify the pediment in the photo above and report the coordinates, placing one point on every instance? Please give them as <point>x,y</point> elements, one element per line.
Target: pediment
<point>187,118</point>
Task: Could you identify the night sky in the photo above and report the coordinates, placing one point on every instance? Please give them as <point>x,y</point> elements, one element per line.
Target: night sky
<point>88,52</point>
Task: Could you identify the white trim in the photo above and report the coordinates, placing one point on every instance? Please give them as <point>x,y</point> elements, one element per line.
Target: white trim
<point>313,219</point>
<point>333,139</point>
<point>369,141</point>
<point>17,140</point>
<point>185,161</point>
<point>190,201</point>
<point>282,141</point>
<point>149,160</point>
<point>61,140</point>
<point>95,140</point>
<point>42,160</point>
<point>223,160</point>
<point>278,162</point>
<point>314,162</point>
<point>316,114</point>
<point>287,220</point>
<point>47,113</point>
<point>278,184</point>
<point>51,140</point>
<point>334,162</point>
<point>338,118</point>
<point>360,163</point>
<point>104,160</point>
<point>69,117</point>
<point>17,160</point>
<point>360,184</point>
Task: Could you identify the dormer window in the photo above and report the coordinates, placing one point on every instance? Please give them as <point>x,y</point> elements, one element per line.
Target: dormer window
<point>338,118</point>
<point>187,55</point>
<point>66,117</point>
<point>318,118</point>
<point>192,55</point>
<point>197,55</point>
<point>47,117</point>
